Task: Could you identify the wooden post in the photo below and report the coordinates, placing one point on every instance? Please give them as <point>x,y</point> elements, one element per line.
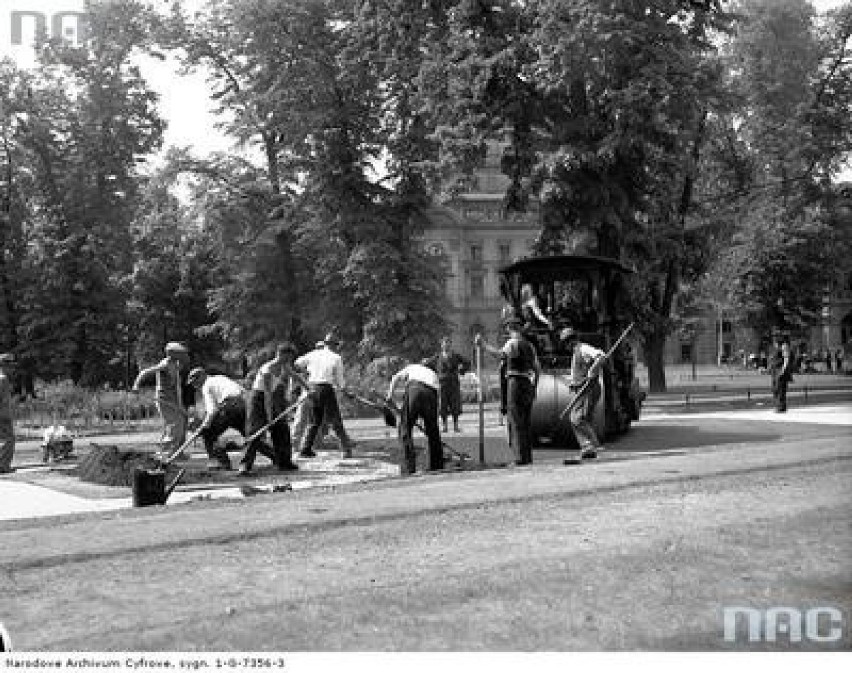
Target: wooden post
<point>481,404</point>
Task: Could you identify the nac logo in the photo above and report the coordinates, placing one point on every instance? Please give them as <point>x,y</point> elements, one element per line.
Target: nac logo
<point>29,20</point>
<point>821,625</point>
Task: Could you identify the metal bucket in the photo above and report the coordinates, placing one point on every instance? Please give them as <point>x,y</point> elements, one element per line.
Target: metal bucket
<point>149,486</point>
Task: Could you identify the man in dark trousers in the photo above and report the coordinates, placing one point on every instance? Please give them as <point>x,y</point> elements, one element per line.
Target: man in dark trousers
<point>519,363</point>
<point>7,424</point>
<point>325,373</point>
<point>269,396</point>
<point>782,367</point>
<point>224,408</point>
<point>419,401</point>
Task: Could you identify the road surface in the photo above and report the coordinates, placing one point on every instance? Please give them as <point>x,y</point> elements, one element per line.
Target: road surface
<point>643,549</point>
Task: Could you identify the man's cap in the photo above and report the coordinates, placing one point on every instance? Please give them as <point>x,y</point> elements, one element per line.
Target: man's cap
<point>195,375</point>
<point>175,347</point>
<point>286,347</point>
<point>7,359</point>
<point>569,334</point>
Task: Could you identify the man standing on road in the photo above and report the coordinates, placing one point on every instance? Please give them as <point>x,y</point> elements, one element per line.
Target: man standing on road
<point>169,394</point>
<point>419,401</point>
<point>586,362</point>
<point>519,363</point>
<point>269,396</point>
<point>449,366</point>
<point>325,373</point>
<point>224,408</point>
<point>7,421</point>
<point>782,367</point>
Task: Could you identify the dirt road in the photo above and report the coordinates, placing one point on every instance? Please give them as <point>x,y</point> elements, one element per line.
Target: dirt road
<point>641,553</point>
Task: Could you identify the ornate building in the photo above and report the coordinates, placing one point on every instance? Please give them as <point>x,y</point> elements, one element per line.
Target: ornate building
<point>478,237</point>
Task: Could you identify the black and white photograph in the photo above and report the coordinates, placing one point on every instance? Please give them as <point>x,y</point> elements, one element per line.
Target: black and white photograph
<point>384,334</point>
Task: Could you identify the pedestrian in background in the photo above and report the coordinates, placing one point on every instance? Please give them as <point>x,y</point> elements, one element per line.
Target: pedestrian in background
<point>224,409</point>
<point>7,420</point>
<point>450,366</point>
<point>519,364</point>
<point>838,360</point>
<point>169,394</point>
<point>269,396</point>
<point>324,370</point>
<point>782,367</point>
<point>419,402</point>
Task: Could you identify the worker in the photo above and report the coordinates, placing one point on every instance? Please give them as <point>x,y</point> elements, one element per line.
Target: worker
<point>586,363</point>
<point>169,394</point>
<point>269,396</point>
<point>324,368</point>
<point>224,408</point>
<point>419,402</point>
<point>521,369</point>
<point>7,421</point>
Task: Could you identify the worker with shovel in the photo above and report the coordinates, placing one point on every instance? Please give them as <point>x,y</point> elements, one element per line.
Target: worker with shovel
<point>586,363</point>
<point>419,401</point>
<point>169,394</point>
<point>324,368</point>
<point>269,396</point>
<point>224,408</point>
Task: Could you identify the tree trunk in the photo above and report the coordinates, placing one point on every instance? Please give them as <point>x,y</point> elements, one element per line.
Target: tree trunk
<point>655,348</point>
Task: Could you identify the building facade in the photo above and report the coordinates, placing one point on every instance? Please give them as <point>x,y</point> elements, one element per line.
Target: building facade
<point>478,237</point>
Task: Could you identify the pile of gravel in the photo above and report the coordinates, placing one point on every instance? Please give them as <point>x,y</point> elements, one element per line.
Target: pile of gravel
<point>109,466</point>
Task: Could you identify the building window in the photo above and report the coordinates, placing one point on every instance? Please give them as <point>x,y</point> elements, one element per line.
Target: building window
<point>505,252</point>
<point>686,353</point>
<point>477,286</point>
<point>726,327</point>
<point>476,252</point>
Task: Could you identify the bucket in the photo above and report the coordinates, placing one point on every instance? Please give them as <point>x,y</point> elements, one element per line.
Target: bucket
<point>149,487</point>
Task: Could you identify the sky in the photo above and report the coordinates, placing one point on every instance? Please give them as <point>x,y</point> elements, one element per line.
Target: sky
<point>184,100</point>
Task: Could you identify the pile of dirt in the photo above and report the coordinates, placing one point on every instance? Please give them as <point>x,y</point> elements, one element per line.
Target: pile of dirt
<point>110,466</point>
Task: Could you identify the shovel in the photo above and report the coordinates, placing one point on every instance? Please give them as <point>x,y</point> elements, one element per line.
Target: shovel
<point>387,413</point>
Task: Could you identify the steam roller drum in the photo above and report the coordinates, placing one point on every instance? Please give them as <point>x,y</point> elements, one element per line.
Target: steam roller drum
<point>553,394</point>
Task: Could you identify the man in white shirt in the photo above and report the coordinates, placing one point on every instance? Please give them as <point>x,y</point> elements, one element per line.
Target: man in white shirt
<point>586,364</point>
<point>324,368</point>
<point>224,408</point>
<point>419,401</point>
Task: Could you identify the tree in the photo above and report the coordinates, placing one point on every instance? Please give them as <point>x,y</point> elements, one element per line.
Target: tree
<point>294,78</point>
<point>773,161</point>
<point>90,119</point>
<point>605,106</point>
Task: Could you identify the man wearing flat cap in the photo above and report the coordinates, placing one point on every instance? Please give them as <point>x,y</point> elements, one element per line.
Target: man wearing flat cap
<point>169,394</point>
<point>520,367</point>
<point>7,423</point>
<point>324,368</point>
<point>586,363</point>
